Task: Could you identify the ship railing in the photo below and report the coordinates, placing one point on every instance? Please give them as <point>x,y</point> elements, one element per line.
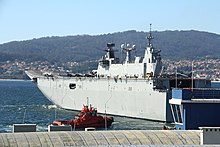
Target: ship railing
<point>161,90</point>
<point>205,93</point>
<point>116,78</point>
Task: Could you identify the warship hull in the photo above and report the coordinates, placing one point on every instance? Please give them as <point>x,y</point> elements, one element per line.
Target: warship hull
<point>134,98</point>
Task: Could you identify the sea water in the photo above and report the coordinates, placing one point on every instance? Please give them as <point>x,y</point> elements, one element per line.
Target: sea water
<point>22,102</point>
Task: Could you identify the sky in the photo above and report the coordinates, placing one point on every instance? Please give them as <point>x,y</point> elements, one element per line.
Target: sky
<point>28,19</point>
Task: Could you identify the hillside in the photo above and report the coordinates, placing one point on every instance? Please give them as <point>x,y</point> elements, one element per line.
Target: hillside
<point>174,44</point>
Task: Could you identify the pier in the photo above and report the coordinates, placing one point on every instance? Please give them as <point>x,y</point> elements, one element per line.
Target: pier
<point>194,108</point>
<point>102,138</point>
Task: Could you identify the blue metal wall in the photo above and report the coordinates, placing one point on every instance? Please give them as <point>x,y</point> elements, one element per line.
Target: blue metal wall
<point>203,112</point>
<point>188,94</point>
<point>181,94</point>
<point>201,115</point>
<point>206,93</point>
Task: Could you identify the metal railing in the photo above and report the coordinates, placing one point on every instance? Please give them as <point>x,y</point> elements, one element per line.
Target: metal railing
<point>205,93</point>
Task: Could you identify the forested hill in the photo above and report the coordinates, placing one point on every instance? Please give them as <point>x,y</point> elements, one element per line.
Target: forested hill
<point>173,44</point>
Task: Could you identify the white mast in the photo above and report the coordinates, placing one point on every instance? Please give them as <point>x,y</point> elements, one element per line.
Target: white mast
<point>192,74</point>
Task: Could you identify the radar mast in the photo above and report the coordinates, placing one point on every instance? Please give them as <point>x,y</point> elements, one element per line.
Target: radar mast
<point>150,38</point>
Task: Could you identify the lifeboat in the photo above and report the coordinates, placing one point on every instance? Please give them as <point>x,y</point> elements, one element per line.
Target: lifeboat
<point>87,117</point>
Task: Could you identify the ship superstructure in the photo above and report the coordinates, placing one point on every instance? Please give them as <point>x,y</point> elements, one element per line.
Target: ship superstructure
<point>142,67</point>
<point>130,88</point>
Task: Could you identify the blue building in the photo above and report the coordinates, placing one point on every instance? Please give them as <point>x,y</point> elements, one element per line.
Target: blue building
<point>194,108</point>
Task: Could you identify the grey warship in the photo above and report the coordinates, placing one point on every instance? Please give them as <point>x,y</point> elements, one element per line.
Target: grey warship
<point>136,89</point>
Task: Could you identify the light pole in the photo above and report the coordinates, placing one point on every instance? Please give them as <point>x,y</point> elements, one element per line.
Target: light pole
<point>176,76</point>
<point>105,110</point>
<point>105,118</point>
<point>24,115</point>
<point>192,74</point>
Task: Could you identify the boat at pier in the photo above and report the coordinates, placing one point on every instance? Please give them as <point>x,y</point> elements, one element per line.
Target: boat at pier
<point>132,88</point>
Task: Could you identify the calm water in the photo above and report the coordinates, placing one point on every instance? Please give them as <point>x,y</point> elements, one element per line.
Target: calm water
<point>22,102</point>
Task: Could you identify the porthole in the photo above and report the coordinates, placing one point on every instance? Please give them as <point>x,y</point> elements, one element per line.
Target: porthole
<point>72,85</point>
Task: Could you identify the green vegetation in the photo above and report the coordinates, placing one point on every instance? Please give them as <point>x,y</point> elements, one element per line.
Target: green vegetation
<point>174,44</point>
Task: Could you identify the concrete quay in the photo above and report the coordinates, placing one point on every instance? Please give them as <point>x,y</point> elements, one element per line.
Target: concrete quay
<point>102,138</point>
